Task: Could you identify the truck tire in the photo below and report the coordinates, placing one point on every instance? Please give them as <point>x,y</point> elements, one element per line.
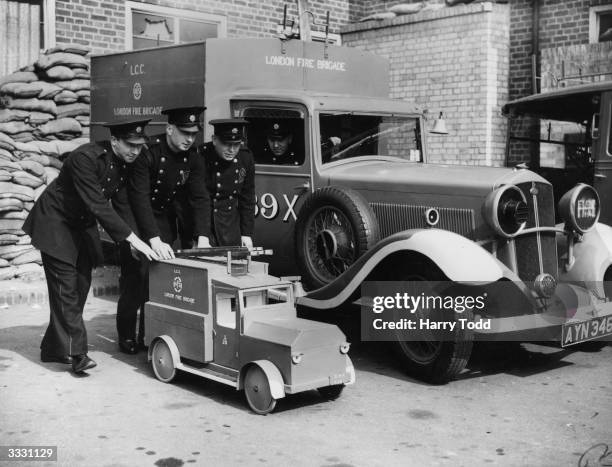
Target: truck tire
<point>335,226</point>
<point>437,362</point>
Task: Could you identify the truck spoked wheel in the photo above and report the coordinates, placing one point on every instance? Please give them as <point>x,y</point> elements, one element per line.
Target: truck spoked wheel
<point>257,391</point>
<point>161,359</point>
<point>436,361</point>
<point>331,392</point>
<point>335,227</point>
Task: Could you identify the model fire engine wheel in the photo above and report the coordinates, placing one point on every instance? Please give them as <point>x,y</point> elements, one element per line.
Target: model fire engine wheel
<point>436,361</point>
<point>257,391</point>
<point>331,392</point>
<point>335,227</point>
<point>161,359</point>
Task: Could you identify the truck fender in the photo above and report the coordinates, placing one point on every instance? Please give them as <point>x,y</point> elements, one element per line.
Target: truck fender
<point>459,258</point>
<point>593,257</point>
<point>277,387</point>
<point>174,351</point>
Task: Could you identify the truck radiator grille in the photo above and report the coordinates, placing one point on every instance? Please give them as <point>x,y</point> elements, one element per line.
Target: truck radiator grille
<point>393,218</point>
<point>537,253</point>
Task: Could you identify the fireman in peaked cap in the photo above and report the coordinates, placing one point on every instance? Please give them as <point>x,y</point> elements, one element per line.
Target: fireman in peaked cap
<point>230,179</point>
<point>63,227</point>
<point>168,174</point>
<point>279,148</point>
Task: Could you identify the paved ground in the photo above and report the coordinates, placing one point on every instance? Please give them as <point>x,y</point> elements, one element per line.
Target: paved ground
<point>516,406</point>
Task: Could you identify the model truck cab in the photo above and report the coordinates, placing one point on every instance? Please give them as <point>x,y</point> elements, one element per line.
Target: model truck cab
<point>229,321</point>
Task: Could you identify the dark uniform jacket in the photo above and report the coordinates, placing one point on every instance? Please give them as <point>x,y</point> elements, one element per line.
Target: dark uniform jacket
<point>231,185</point>
<point>63,219</point>
<point>158,177</point>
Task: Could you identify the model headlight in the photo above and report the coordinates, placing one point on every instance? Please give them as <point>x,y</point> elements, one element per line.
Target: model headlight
<point>579,208</point>
<point>296,358</point>
<point>344,348</point>
<point>506,211</point>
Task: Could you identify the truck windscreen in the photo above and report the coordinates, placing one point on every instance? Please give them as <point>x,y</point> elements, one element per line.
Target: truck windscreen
<point>349,135</point>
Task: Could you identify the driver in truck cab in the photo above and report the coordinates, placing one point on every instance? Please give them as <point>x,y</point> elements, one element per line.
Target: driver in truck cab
<point>279,149</point>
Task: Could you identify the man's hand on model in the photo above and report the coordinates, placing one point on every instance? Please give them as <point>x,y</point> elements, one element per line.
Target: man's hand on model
<point>138,245</point>
<point>246,241</point>
<point>203,242</point>
<point>163,250</point>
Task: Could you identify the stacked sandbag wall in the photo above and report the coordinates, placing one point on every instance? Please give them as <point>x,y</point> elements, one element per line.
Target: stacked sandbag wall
<point>44,114</point>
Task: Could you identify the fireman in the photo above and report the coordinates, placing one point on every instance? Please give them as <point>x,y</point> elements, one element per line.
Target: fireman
<point>230,179</point>
<point>63,227</point>
<point>169,173</point>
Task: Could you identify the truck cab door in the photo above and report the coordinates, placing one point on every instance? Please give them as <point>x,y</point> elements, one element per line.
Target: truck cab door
<point>602,149</point>
<point>225,315</point>
<point>281,182</point>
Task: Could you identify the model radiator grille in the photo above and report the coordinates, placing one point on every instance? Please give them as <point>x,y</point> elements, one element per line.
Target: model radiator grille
<point>394,218</point>
<point>537,253</point>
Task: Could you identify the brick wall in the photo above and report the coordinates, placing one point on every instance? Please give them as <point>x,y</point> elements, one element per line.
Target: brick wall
<point>453,60</point>
<point>100,24</point>
<point>562,24</point>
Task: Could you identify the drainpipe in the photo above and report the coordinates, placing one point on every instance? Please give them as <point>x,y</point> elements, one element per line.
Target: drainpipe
<point>535,47</point>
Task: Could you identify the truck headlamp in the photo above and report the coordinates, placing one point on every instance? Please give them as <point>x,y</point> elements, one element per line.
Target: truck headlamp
<point>579,208</point>
<point>296,358</point>
<point>506,210</point>
<point>344,348</point>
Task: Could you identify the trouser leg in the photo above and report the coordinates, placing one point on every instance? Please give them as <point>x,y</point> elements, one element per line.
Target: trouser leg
<point>131,292</point>
<point>68,287</point>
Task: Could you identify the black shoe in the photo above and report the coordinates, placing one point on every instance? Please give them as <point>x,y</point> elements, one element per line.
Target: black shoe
<point>80,363</point>
<point>128,346</point>
<point>48,358</point>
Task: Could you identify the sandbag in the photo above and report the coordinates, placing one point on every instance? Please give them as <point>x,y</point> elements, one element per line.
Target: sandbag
<point>71,60</point>
<point>27,205</point>
<point>42,105</point>
<point>30,272</point>
<point>65,97</point>
<point>48,90</point>
<point>9,252</point>
<point>23,137</point>
<point>26,147</point>
<point>6,142</point>
<point>8,239</point>
<point>81,74</point>
<point>14,190</point>
<point>19,77</point>
<point>12,128</point>
<point>61,125</point>
<point>39,118</point>
<point>9,166</point>
<point>407,8</point>
<point>31,89</point>
<point>39,191</point>
<point>24,240</point>
<point>74,84</point>
<point>5,176</point>
<point>70,48</point>
<point>7,273</point>
<point>72,110</point>
<point>379,16</point>
<point>39,158</point>
<point>33,167</point>
<point>15,215</point>
<point>22,177</point>
<point>6,155</point>
<point>10,204</point>
<point>55,163</point>
<point>59,72</point>
<point>3,263</point>
<point>83,120</point>
<point>11,115</point>
<point>30,256</point>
